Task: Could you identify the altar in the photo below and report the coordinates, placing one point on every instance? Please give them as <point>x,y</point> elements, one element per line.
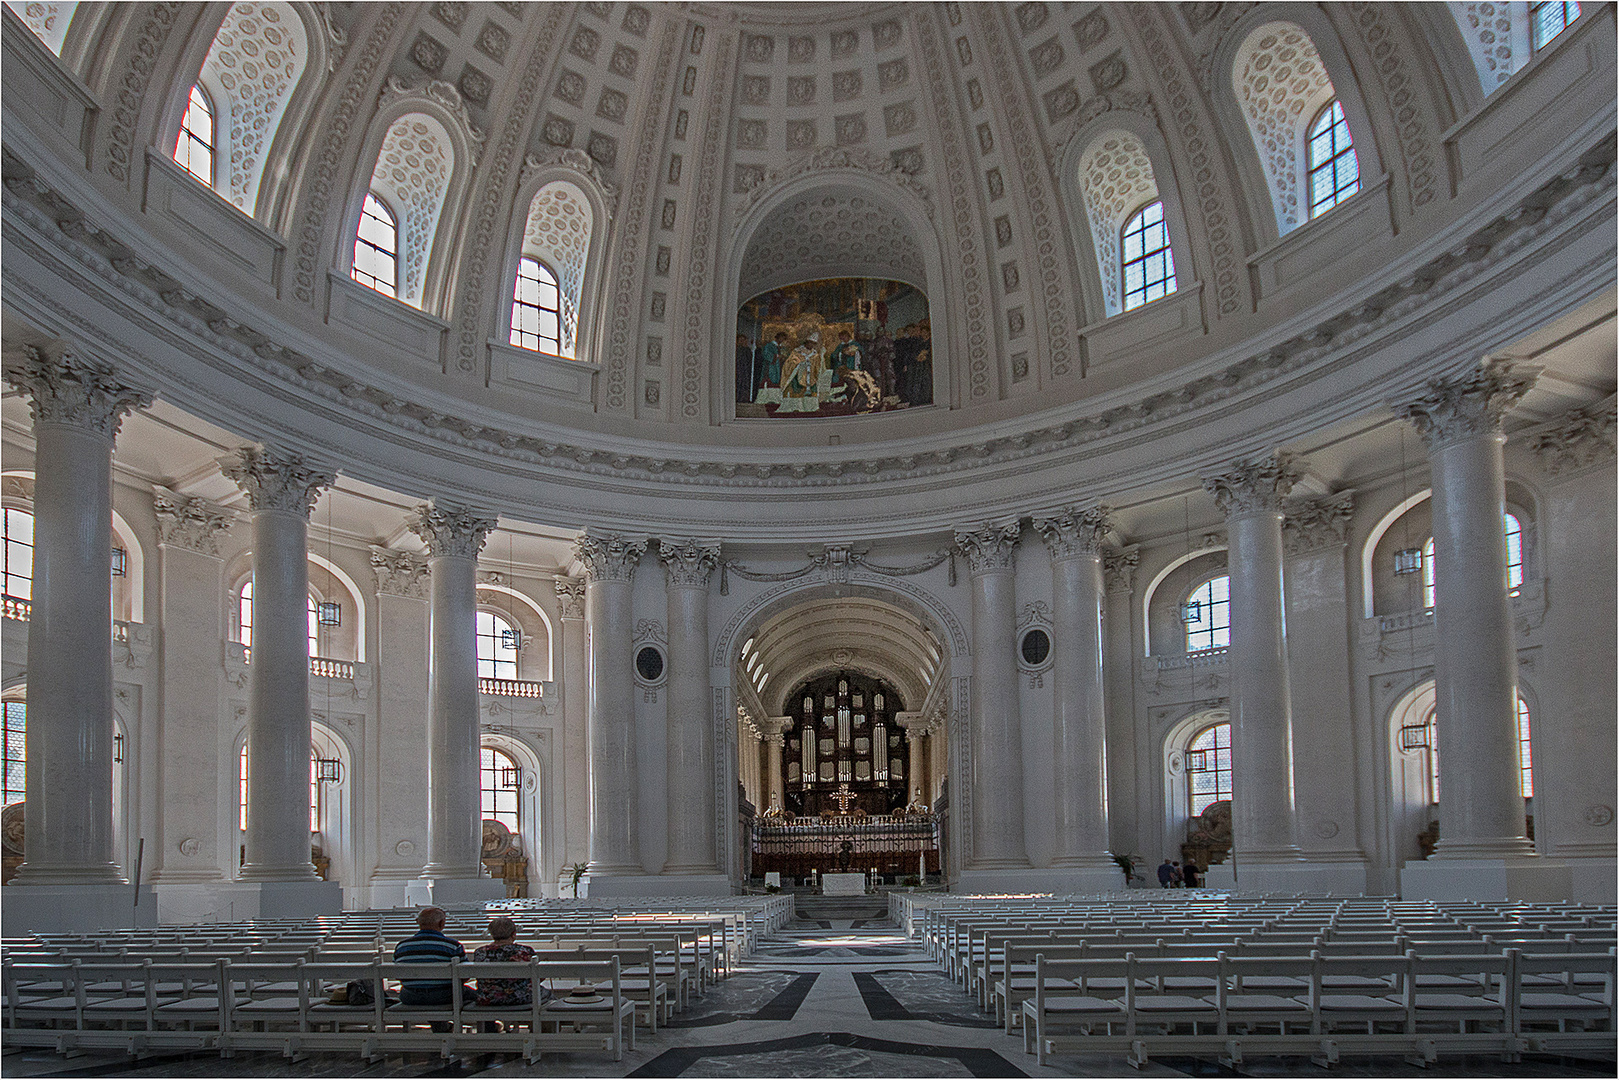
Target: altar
<point>843,884</point>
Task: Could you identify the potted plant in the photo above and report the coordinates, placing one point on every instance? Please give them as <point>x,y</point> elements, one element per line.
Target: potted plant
<point>576,872</point>
<point>1127,863</point>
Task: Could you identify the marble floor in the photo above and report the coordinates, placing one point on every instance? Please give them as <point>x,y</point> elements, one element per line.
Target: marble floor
<point>826,997</point>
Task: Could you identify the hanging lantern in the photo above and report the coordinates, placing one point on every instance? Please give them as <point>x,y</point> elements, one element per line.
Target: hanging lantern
<point>118,748</point>
<point>1414,737</point>
<point>511,776</point>
<point>329,613</point>
<point>120,562</point>
<point>512,639</point>
<point>1408,561</point>
<point>1192,612</point>
<point>328,770</point>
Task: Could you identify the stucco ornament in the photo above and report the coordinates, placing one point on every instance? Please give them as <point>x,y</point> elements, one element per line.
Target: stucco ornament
<point>689,563</point>
<point>74,391</point>
<point>1470,405</point>
<point>189,521</point>
<point>400,573</point>
<point>609,558</point>
<point>1071,533</point>
<point>571,595</point>
<point>1257,485</point>
<point>276,479</point>
<point>449,529</point>
<point>1579,437</point>
<point>989,547</point>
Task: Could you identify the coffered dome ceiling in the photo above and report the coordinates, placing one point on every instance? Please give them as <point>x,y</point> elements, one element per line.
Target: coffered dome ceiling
<point>720,150</point>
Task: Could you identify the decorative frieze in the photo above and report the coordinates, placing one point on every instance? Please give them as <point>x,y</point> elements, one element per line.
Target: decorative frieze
<point>1071,533</point>
<point>689,563</point>
<point>189,521</point>
<point>277,479</point>
<point>1254,486</point>
<point>609,558</point>
<point>989,548</point>
<point>1470,405</point>
<point>1580,437</point>
<point>571,597</point>
<point>1312,523</point>
<point>400,573</point>
<point>72,390</point>
<point>450,530</point>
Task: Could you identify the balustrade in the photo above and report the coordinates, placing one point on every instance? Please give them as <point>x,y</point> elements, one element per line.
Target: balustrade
<point>888,843</point>
<point>523,688</point>
<point>17,609</point>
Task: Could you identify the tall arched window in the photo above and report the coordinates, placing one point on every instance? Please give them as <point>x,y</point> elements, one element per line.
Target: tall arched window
<point>1208,768</point>
<point>1526,764</point>
<point>556,236</point>
<point>19,554</point>
<point>195,147</point>
<point>241,793</point>
<point>376,248</point>
<point>500,785</point>
<point>16,751</point>
<point>1334,169</point>
<point>1207,615</point>
<point>244,619</point>
<point>537,309</point>
<point>497,647</point>
<point>1149,265</point>
<point>1550,19</point>
<point>414,170</point>
<point>1513,531</point>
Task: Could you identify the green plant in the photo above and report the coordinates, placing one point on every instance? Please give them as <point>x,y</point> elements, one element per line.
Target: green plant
<point>913,881</point>
<point>1128,864</point>
<point>577,871</point>
<point>772,889</point>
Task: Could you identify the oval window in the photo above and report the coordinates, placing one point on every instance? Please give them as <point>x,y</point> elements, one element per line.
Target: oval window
<point>1036,647</point>
<point>649,664</point>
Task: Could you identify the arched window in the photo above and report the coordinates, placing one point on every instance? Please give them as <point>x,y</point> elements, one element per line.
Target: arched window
<point>376,248</point>
<point>537,309</point>
<point>1149,265</point>
<point>1208,768</point>
<point>19,554</point>
<point>241,793</point>
<point>1550,19</point>
<point>1334,169</point>
<point>244,619</point>
<point>195,147</point>
<point>1207,615</point>
<point>16,751</point>
<point>1513,531</point>
<point>497,647</point>
<point>500,783</point>
<point>1526,769</point>
<point>412,178</point>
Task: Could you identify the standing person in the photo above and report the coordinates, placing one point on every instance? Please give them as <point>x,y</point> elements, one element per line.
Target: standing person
<point>427,946</point>
<point>770,360</point>
<point>746,380</point>
<point>1189,874</point>
<point>1175,874</point>
<point>503,948</point>
<point>1166,871</point>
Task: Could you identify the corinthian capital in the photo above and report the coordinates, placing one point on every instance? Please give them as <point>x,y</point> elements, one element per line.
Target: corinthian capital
<point>1314,523</point>
<point>68,389</point>
<point>689,563</point>
<point>400,573</point>
<point>1579,437</point>
<point>989,547</point>
<point>448,529</point>
<point>190,522</point>
<point>1470,405</point>
<point>277,479</point>
<point>1119,568</point>
<point>571,595</point>
<point>1071,533</point>
<point>1256,485</point>
<point>609,558</point>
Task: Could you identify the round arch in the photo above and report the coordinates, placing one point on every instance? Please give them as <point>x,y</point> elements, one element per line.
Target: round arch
<point>1158,579</point>
<point>536,821</point>
<point>1172,762</point>
<point>336,818</point>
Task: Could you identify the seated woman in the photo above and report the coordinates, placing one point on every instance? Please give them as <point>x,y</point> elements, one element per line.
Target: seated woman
<point>503,948</point>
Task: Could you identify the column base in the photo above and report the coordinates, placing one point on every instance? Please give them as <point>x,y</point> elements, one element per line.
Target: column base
<point>1531,878</point>
<point>463,891</point>
<point>660,885</point>
<point>47,909</point>
<point>1085,879</point>
<point>1251,876</point>
<point>992,881</point>
<point>233,901</point>
<point>105,875</point>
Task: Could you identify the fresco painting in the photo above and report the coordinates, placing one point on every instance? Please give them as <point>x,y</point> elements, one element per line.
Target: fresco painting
<point>834,347</point>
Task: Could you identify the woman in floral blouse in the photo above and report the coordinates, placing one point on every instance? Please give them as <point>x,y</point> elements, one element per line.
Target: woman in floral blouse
<point>503,948</point>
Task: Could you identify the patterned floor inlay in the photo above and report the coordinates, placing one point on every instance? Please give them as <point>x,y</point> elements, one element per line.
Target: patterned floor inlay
<point>749,995</point>
<point>915,995</point>
<point>829,1054</point>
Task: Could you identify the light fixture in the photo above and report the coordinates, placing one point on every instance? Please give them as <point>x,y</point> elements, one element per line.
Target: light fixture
<point>120,562</point>
<point>511,776</point>
<point>1408,561</point>
<point>328,770</point>
<point>1192,612</point>
<point>512,639</point>
<point>117,748</point>
<point>329,613</point>
<point>1197,761</point>
<point>1414,737</point>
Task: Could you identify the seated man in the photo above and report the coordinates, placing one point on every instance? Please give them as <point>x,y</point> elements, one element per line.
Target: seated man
<point>503,948</point>
<point>427,946</point>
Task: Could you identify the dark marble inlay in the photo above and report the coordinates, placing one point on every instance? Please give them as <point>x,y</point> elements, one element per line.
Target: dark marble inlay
<point>748,995</point>
<point>813,1055</point>
<point>913,995</point>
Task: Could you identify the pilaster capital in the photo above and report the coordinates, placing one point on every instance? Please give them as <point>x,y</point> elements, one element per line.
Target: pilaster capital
<point>1470,405</point>
<point>1255,485</point>
<point>989,548</point>
<point>609,558</point>
<point>189,522</point>
<point>1580,437</point>
<point>400,573</point>
<point>1316,522</point>
<point>449,529</point>
<point>689,563</point>
<point>68,389</point>
<point>771,728</point>
<point>277,479</point>
<point>1071,533</point>
<point>571,595</point>
<point>1119,568</point>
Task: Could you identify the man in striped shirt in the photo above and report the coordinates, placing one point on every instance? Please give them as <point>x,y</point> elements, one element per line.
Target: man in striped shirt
<point>428,945</point>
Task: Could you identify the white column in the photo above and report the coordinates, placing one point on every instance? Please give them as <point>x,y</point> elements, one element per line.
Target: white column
<point>773,740</point>
<point>1262,798</point>
<point>281,489</point>
<point>610,563</point>
<point>1128,801</point>
<point>1074,538</point>
<point>689,751</point>
<point>997,736</point>
<point>454,535</point>
<point>77,406</point>
<point>575,684</point>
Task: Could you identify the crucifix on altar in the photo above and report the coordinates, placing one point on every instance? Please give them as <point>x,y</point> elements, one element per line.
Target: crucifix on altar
<point>843,797</point>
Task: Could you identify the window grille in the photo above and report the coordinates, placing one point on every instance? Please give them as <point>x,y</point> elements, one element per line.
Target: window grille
<point>194,149</point>
<point>1334,168</point>
<point>1149,264</point>
<point>376,248</point>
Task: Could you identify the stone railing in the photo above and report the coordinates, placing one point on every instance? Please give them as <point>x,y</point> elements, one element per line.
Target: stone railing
<point>1202,658</point>
<point>325,668</point>
<point>17,609</point>
<point>523,688</point>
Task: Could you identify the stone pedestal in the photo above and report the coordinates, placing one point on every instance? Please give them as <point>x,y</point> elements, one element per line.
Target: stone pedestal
<point>463,890</point>
<point>71,909</point>
<point>1533,880</point>
<point>233,901</point>
<point>660,885</point>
